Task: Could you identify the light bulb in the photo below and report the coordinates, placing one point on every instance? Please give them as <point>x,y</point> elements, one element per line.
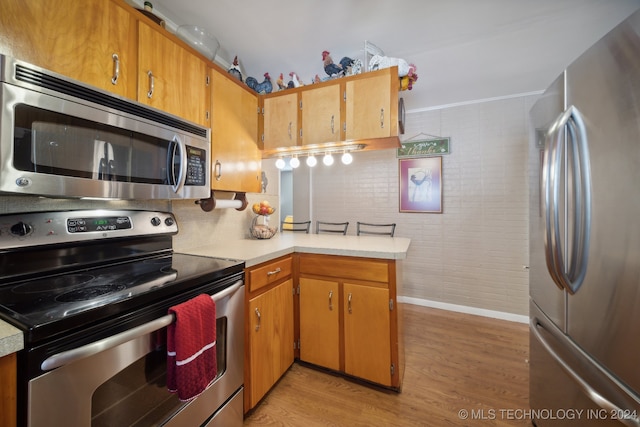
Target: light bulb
<point>311,161</point>
<point>280,163</point>
<point>327,159</point>
<point>347,158</point>
<point>294,162</point>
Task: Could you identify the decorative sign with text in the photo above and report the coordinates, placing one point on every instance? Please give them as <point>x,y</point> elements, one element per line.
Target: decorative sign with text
<point>424,147</point>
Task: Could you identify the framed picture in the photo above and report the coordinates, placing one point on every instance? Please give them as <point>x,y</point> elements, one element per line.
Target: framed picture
<point>421,184</point>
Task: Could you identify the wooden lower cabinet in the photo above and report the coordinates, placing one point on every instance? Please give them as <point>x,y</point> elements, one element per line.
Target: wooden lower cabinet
<point>349,316</point>
<point>8,397</point>
<point>320,322</point>
<point>269,331</point>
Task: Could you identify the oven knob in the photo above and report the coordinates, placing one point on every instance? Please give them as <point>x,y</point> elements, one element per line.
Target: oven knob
<point>155,221</point>
<point>169,221</point>
<point>21,229</point>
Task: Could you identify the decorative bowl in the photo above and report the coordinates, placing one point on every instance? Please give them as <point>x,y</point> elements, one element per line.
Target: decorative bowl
<point>200,39</point>
<point>263,231</point>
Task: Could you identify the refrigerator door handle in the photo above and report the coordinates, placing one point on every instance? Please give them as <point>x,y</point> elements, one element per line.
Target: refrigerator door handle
<point>632,420</point>
<point>579,166</point>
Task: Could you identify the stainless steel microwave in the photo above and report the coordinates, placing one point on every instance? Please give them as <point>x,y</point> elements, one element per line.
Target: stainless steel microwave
<point>62,138</point>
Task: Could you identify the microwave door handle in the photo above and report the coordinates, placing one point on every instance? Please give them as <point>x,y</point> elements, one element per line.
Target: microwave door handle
<point>180,150</point>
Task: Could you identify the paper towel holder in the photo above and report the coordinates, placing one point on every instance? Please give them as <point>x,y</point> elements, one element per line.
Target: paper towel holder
<point>210,203</point>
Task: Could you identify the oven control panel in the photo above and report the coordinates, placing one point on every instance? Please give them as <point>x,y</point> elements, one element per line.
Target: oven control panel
<point>46,228</point>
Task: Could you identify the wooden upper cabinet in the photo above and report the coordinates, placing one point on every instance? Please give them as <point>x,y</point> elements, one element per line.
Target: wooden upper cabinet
<point>321,115</point>
<point>236,157</point>
<point>81,40</point>
<point>170,77</point>
<point>280,121</point>
<point>372,105</point>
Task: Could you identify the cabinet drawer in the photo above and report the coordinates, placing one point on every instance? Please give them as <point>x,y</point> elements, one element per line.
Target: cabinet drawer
<point>345,267</point>
<point>268,273</point>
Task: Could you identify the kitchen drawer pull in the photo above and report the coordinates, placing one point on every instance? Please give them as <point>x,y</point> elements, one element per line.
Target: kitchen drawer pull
<point>151,84</point>
<point>259,318</point>
<point>382,118</point>
<point>349,304</point>
<point>276,271</point>
<point>330,300</point>
<point>116,68</point>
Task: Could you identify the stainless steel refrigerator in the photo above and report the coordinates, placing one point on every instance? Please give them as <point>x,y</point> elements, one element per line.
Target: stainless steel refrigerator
<point>585,239</point>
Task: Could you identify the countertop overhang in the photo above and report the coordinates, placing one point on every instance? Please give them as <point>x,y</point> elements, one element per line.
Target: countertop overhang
<point>256,251</point>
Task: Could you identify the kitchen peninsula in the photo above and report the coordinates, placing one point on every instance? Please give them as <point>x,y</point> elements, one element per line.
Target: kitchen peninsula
<point>256,251</point>
<point>326,300</point>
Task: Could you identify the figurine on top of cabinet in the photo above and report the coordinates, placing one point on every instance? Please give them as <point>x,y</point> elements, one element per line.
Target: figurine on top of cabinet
<point>280,82</point>
<point>262,88</point>
<point>335,69</point>
<point>234,70</point>
<point>294,82</point>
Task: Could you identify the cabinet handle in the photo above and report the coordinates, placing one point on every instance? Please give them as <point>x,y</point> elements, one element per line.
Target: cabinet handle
<point>116,68</point>
<point>290,123</point>
<point>330,300</point>
<point>151,84</point>
<point>258,315</point>
<point>276,271</point>
<point>349,305</point>
<point>332,127</point>
<point>382,118</point>
<point>217,170</point>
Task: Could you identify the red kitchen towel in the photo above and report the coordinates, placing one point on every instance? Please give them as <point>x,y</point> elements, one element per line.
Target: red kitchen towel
<point>191,347</point>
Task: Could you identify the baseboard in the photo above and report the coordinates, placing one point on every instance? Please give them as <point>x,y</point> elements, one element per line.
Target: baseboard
<point>465,309</point>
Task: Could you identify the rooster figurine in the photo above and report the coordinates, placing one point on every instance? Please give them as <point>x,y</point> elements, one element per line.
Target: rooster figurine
<point>234,70</point>
<point>261,88</point>
<point>333,69</point>
<point>294,82</point>
<point>280,82</point>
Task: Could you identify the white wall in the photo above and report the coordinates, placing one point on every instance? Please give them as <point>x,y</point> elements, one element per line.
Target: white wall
<point>474,253</point>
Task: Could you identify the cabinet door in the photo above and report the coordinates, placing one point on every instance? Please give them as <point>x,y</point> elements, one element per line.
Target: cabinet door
<point>234,131</point>
<point>170,77</point>
<point>371,107</point>
<point>321,115</point>
<point>270,338</point>
<point>280,121</point>
<point>320,322</point>
<point>367,338</point>
<point>76,39</point>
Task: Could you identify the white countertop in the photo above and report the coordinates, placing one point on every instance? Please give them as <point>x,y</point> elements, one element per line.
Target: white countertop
<point>256,251</point>
<point>11,339</point>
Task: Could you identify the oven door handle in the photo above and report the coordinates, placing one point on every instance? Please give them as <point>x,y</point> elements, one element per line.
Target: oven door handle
<point>66,357</point>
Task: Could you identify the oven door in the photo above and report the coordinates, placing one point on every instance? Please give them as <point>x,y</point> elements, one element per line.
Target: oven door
<point>121,380</point>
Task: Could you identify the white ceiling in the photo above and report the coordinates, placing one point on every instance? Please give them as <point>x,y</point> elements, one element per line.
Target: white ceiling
<point>464,50</point>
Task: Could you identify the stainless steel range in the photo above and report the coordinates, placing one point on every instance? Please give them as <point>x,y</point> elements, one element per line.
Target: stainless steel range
<point>91,292</point>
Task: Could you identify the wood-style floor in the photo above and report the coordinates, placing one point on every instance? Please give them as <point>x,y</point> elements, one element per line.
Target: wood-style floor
<point>458,367</point>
